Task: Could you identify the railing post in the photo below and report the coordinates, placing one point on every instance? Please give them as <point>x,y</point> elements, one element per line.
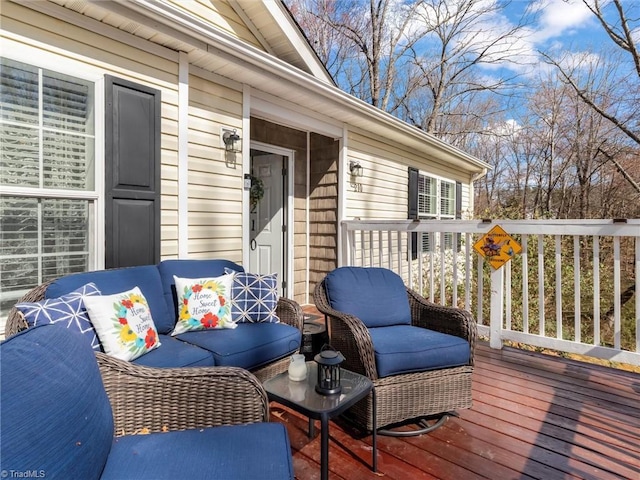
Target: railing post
<point>496,308</point>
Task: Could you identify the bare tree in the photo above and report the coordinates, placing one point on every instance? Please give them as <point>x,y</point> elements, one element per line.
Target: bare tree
<point>621,105</point>
<point>447,66</point>
<point>418,59</point>
<point>363,44</point>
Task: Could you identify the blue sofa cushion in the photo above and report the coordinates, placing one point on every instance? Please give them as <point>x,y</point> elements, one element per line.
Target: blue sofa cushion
<point>68,310</point>
<point>119,280</point>
<point>210,453</point>
<point>376,296</point>
<point>54,411</point>
<point>405,348</point>
<point>174,353</point>
<point>188,268</point>
<point>249,346</point>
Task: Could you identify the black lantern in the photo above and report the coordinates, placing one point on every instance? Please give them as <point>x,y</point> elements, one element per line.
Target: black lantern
<point>328,360</point>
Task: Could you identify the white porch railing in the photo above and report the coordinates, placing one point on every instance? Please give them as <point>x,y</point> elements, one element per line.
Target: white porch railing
<point>573,288</point>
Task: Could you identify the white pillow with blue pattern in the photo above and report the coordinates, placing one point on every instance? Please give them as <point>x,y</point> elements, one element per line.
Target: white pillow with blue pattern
<point>254,298</point>
<point>68,310</point>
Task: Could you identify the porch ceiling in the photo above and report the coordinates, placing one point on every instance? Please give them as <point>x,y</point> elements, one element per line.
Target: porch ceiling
<point>218,52</point>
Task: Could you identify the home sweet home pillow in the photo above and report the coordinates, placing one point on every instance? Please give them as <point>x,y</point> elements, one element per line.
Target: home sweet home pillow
<point>124,324</point>
<point>203,303</point>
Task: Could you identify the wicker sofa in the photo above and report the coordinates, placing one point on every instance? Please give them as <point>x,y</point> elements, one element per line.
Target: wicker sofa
<point>262,348</point>
<point>57,416</point>
<point>418,355</point>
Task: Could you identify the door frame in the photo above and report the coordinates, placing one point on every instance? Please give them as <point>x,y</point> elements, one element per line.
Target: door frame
<point>288,256</point>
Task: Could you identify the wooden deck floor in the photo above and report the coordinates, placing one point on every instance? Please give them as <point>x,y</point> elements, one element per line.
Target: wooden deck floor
<point>533,416</point>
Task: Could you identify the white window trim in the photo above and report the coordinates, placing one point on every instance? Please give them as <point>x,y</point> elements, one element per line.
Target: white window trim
<point>438,215</point>
<point>48,60</point>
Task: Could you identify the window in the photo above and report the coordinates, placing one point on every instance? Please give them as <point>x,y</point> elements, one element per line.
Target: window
<point>427,197</point>
<point>436,200</point>
<point>47,177</point>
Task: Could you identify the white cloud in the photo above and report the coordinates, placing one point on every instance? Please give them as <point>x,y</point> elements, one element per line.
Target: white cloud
<point>559,18</point>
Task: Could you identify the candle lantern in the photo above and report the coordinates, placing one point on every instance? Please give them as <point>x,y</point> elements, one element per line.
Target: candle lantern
<point>328,360</point>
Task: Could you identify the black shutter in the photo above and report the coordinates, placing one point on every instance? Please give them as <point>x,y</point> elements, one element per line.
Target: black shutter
<point>132,174</point>
<point>413,208</point>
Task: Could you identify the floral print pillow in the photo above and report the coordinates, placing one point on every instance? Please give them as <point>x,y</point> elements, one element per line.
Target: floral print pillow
<point>203,303</point>
<point>123,323</point>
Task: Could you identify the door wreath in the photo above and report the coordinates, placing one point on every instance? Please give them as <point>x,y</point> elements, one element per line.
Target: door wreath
<point>256,193</point>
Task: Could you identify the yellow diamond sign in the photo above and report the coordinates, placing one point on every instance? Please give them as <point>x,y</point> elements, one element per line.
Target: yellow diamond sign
<point>497,247</point>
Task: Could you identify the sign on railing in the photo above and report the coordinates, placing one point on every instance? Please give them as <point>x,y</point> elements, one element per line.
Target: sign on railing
<point>497,247</point>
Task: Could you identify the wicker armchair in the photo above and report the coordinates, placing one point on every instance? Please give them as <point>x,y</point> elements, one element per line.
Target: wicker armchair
<point>287,310</point>
<point>424,397</point>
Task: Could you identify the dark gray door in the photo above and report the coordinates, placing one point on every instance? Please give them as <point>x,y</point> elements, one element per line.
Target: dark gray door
<point>132,177</point>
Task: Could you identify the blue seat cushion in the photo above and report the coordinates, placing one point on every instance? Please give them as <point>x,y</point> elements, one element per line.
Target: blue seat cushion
<point>376,296</point>
<point>120,280</point>
<point>250,345</point>
<point>239,452</point>
<point>173,353</point>
<point>54,411</point>
<point>189,268</point>
<point>405,348</point>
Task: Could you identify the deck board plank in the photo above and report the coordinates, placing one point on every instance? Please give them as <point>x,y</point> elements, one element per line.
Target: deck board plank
<point>533,416</point>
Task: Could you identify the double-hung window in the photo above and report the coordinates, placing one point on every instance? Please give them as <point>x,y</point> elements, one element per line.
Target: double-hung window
<point>47,177</point>
<point>436,200</point>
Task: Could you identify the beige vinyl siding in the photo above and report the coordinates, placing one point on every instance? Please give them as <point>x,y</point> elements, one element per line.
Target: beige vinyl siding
<point>102,55</point>
<point>219,14</point>
<point>382,191</point>
<point>215,176</point>
<point>214,184</point>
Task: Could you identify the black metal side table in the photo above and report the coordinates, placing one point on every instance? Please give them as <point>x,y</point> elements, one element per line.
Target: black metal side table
<point>303,398</point>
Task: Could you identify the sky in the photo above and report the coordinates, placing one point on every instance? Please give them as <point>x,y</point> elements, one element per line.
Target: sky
<point>556,26</point>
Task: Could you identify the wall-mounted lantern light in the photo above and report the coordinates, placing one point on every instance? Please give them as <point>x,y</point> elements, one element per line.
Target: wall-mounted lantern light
<point>231,141</point>
<point>355,169</point>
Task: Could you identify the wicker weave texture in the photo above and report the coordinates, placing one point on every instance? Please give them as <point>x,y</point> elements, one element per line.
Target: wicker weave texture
<point>405,396</point>
<point>158,399</point>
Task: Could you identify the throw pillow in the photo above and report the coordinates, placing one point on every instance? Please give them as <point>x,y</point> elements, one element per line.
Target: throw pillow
<point>203,303</point>
<point>254,298</point>
<point>68,310</point>
<point>124,324</point>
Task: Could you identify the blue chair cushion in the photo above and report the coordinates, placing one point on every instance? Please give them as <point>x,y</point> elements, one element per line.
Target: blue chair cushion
<point>210,453</point>
<point>54,411</point>
<point>188,268</point>
<point>120,280</point>
<point>173,353</point>
<point>376,296</point>
<point>405,348</point>
<point>250,345</point>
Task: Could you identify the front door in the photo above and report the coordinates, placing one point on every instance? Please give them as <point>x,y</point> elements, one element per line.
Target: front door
<point>267,217</point>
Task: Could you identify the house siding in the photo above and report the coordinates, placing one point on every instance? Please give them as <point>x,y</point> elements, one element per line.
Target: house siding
<point>214,184</point>
<point>221,15</point>
<point>215,177</point>
<point>382,191</point>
